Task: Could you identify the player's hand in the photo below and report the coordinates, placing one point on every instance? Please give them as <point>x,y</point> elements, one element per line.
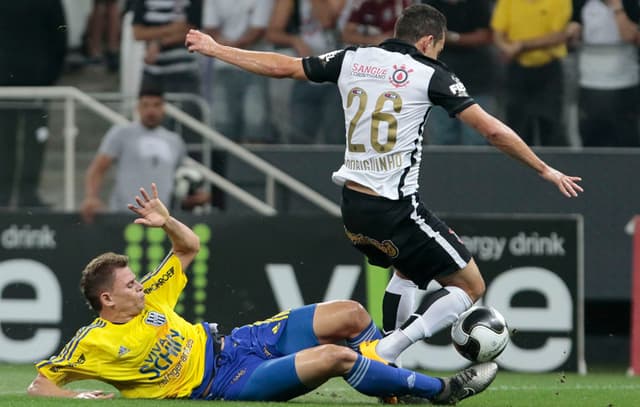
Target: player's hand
<point>95,394</point>
<point>197,41</point>
<point>568,185</point>
<point>151,210</point>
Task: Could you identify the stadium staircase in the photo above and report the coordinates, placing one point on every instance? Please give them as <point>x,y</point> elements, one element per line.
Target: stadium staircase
<point>62,183</point>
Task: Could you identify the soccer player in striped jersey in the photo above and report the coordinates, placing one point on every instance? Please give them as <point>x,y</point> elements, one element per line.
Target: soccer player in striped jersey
<point>142,347</point>
<point>387,92</point>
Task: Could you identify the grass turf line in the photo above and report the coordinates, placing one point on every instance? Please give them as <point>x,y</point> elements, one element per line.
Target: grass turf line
<point>608,387</point>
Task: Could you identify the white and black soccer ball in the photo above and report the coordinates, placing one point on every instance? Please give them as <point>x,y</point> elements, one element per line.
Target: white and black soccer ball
<point>187,181</point>
<point>480,334</point>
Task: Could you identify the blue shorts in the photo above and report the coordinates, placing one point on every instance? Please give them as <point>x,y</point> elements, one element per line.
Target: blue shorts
<point>258,360</point>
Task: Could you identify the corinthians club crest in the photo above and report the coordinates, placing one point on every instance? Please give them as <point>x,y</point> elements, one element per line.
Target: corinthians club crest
<point>400,76</point>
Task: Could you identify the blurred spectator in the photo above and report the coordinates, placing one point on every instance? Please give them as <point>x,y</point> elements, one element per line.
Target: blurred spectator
<point>144,152</point>
<point>32,53</point>
<point>131,59</point>
<point>371,21</point>
<point>531,38</point>
<point>468,52</point>
<point>308,27</point>
<point>241,102</point>
<point>167,63</point>
<point>103,34</point>
<point>609,94</point>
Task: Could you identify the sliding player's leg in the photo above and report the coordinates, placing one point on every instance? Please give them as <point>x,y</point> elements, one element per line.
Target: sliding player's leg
<point>327,323</point>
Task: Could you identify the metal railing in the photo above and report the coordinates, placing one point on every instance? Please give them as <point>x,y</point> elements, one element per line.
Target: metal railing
<point>71,96</point>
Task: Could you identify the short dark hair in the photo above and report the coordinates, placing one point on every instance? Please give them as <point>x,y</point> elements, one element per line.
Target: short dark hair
<point>98,275</point>
<point>151,89</point>
<point>419,20</point>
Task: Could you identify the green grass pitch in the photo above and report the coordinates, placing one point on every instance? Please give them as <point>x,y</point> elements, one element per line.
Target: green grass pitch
<point>603,387</point>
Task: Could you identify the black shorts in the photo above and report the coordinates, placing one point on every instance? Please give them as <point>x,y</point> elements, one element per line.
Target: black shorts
<point>403,234</point>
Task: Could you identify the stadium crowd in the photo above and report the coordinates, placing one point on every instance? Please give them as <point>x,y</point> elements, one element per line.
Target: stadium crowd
<point>550,79</point>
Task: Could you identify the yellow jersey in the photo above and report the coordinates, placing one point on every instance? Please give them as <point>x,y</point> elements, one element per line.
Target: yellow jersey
<point>521,20</point>
<point>157,354</point>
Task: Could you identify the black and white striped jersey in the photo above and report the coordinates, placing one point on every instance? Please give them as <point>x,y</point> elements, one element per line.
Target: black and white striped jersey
<point>387,92</point>
<point>173,58</point>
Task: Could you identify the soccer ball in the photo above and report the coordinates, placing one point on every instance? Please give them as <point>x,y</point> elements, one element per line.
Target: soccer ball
<point>480,334</point>
<point>187,181</point>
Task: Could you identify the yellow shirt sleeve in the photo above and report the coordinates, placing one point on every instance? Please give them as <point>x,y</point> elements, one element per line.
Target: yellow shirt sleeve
<point>163,286</point>
<point>78,360</point>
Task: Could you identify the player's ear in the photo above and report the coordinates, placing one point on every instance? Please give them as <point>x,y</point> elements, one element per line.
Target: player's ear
<point>424,43</point>
<point>106,299</point>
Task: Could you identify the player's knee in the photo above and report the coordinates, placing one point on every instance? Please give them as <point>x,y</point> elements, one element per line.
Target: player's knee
<point>357,317</point>
<point>337,359</point>
<point>476,289</point>
<point>468,279</point>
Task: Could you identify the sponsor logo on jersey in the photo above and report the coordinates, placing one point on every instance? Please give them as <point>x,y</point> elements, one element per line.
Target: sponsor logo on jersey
<point>155,319</point>
<point>122,351</point>
<point>164,353</point>
<point>368,71</point>
<point>177,369</point>
<point>458,87</point>
<point>160,281</point>
<point>400,76</point>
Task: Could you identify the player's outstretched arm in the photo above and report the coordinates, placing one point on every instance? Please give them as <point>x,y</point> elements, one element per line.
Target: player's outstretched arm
<point>153,213</point>
<point>262,63</point>
<point>41,386</point>
<point>507,141</point>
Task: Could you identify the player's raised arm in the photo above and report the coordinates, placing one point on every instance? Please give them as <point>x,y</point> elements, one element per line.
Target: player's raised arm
<point>262,63</point>
<point>41,386</point>
<point>153,213</point>
<point>507,141</point>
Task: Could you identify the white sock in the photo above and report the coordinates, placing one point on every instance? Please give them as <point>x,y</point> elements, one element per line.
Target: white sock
<point>441,308</point>
<point>398,302</point>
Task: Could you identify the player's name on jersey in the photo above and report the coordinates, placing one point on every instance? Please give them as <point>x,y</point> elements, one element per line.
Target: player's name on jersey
<point>380,164</point>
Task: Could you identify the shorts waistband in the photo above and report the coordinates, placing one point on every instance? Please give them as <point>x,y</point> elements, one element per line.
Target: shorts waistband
<point>213,347</point>
<point>356,194</point>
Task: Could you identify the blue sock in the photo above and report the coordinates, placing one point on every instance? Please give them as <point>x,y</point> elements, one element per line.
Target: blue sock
<point>370,333</point>
<point>377,379</point>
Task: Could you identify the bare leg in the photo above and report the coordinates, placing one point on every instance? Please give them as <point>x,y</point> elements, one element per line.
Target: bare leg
<point>316,365</point>
<point>468,279</point>
<point>334,321</point>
